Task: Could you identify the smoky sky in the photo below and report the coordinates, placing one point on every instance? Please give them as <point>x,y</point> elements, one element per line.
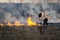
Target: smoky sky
<point>55,6</point>
<point>25,9</point>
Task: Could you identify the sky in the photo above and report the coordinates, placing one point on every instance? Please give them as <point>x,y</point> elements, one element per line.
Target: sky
<point>21,11</point>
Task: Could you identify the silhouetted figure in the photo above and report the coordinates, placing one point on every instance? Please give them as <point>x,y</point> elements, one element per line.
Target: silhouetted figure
<point>45,21</point>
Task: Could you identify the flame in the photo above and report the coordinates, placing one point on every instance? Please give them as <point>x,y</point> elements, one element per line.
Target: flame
<point>9,24</point>
<point>30,22</point>
<point>1,24</point>
<point>16,23</point>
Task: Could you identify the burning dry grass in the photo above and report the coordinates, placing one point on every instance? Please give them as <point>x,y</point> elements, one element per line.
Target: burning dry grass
<point>17,23</point>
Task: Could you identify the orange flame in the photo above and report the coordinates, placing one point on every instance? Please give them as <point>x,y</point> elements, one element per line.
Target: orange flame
<point>1,24</point>
<point>16,23</point>
<point>9,24</point>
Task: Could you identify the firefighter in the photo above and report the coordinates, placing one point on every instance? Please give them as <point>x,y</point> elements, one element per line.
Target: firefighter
<point>45,20</point>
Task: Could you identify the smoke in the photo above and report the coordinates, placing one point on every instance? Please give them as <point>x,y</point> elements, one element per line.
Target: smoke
<point>21,11</point>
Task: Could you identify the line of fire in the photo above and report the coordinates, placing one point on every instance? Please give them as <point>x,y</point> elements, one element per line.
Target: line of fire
<point>17,23</point>
<point>28,21</point>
